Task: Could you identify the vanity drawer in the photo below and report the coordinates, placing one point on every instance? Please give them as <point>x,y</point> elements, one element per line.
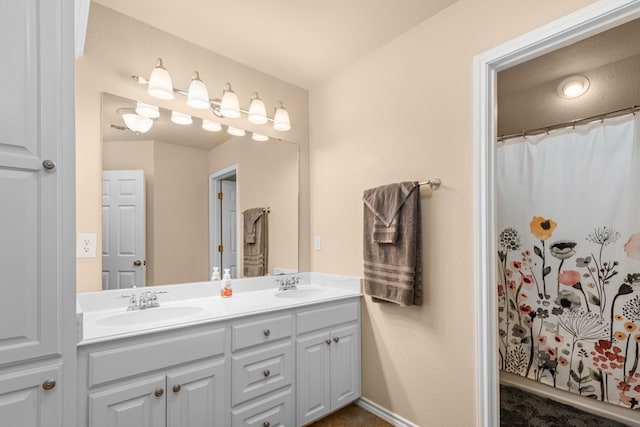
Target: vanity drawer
<point>260,331</point>
<point>260,371</point>
<point>312,320</point>
<point>275,410</point>
<point>125,361</point>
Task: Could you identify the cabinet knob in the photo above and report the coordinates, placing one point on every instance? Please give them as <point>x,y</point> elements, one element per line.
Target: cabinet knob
<point>266,424</point>
<point>328,342</point>
<point>49,164</point>
<point>48,385</point>
<point>177,388</point>
<point>266,373</point>
<point>266,332</point>
<point>336,339</point>
<point>159,392</point>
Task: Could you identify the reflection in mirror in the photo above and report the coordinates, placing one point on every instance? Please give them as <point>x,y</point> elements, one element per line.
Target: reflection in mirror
<point>171,235</point>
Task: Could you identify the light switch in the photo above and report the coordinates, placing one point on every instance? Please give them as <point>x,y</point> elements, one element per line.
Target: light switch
<point>317,244</point>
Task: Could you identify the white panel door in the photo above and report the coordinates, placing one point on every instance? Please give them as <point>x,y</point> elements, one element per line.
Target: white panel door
<point>31,132</point>
<point>123,229</point>
<point>229,225</point>
<point>313,386</point>
<point>139,404</point>
<point>197,396</point>
<point>345,366</point>
<point>24,401</point>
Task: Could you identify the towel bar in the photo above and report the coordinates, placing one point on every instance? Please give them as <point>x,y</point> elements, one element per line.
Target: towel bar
<point>433,183</point>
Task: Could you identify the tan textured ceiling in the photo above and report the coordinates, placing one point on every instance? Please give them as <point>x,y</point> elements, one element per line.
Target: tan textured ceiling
<point>302,42</point>
<point>527,93</point>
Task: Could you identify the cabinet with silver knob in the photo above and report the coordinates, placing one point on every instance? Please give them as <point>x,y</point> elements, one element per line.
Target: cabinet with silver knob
<point>328,360</point>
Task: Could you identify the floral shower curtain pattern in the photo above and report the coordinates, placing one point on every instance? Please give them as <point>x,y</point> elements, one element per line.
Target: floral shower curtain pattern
<point>569,259</point>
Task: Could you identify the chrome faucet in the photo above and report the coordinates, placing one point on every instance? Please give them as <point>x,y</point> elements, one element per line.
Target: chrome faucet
<point>288,283</point>
<point>147,299</point>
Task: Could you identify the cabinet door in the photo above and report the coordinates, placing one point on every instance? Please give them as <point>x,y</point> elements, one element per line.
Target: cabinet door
<point>196,396</point>
<point>24,402</point>
<point>30,220</point>
<point>345,366</point>
<point>137,404</point>
<point>313,388</point>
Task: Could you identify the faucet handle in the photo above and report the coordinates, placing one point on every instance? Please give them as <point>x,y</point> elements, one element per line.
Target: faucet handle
<point>133,303</point>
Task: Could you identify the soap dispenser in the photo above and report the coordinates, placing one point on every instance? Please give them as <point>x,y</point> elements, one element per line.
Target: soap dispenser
<point>225,285</point>
<point>215,274</point>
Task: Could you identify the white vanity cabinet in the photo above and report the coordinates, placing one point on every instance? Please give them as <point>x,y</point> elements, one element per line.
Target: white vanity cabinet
<point>172,379</point>
<point>37,213</point>
<point>263,371</point>
<point>328,359</point>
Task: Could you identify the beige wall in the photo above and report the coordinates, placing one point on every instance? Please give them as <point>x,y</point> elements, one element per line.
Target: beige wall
<point>118,47</point>
<point>405,113</point>
<point>266,177</point>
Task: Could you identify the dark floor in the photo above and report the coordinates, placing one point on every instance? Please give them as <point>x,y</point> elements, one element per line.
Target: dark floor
<point>351,416</point>
<point>520,408</point>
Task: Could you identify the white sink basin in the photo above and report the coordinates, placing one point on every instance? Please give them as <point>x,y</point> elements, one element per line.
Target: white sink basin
<point>301,293</point>
<point>157,314</point>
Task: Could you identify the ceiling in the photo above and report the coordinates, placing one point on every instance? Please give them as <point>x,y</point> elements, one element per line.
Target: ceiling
<point>527,93</point>
<point>302,42</point>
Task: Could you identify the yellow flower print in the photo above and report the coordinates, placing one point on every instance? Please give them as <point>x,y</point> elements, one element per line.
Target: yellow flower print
<point>542,228</point>
<point>620,336</point>
<point>618,317</point>
<point>637,337</point>
<point>630,326</point>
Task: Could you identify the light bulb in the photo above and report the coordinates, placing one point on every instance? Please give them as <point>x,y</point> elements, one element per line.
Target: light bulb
<point>235,131</point>
<point>229,106</point>
<point>211,126</point>
<point>281,120</point>
<point>147,110</point>
<point>198,96</point>
<point>257,111</point>
<point>180,118</point>
<point>137,123</point>
<point>259,137</point>
<point>160,85</point>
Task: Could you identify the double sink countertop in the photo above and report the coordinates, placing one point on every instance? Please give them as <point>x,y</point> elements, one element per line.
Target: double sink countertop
<point>103,316</point>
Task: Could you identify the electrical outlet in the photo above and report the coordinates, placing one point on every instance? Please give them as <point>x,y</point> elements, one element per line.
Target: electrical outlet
<point>317,245</point>
<point>86,245</point>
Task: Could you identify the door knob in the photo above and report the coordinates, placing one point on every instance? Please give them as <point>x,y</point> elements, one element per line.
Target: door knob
<point>137,263</point>
<point>49,164</point>
<point>48,384</point>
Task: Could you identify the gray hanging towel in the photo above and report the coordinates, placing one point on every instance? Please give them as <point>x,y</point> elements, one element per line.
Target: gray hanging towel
<point>392,243</point>
<point>256,242</point>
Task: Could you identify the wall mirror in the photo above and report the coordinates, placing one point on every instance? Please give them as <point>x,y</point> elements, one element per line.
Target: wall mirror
<point>181,169</point>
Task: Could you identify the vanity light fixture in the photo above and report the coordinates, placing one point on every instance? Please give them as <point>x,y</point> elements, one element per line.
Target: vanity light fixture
<point>573,87</point>
<point>135,122</point>
<point>257,110</point>
<point>181,118</point>
<point>281,118</point>
<point>259,137</point>
<point>229,106</point>
<point>147,110</point>
<point>211,126</point>
<point>160,86</point>
<point>235,131</point>
<point>198,96</point>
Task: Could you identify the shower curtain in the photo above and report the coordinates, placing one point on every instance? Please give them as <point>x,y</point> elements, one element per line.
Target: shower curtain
<point>569,259</point>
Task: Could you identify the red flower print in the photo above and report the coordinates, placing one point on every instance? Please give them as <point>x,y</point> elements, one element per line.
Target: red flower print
<point>500,290</point>
<point>526,280</point>
<point>542,339</point>
<point>632,247</point>
<point>624,386</point>
<point>516,265</point>
<point>525,309</point>
<point>512,285</point>
<point>563,361</point>
<point>569,277</point>
<point>551,352</point>
<point>558,338</point>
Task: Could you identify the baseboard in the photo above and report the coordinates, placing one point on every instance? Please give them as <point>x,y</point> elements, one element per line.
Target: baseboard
<point>383,413</point>
<point>596,407</point>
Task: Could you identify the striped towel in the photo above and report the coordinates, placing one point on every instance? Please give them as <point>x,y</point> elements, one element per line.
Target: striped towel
<point>392,243</point>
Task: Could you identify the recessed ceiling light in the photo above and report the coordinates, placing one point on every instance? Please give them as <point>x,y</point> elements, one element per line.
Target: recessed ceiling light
<point>573,87</point>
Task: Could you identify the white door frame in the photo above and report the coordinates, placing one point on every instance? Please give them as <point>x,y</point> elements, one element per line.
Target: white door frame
<point>586,22</point>
<point>214,212</point>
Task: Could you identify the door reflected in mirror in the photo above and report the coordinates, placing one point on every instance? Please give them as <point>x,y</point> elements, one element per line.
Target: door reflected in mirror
<point>176,164</point>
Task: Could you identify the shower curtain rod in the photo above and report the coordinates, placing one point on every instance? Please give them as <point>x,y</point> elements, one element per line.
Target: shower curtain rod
<point>573,123</point>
